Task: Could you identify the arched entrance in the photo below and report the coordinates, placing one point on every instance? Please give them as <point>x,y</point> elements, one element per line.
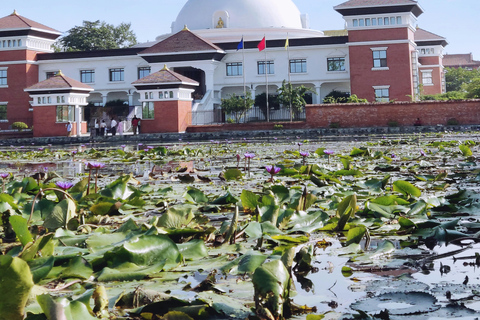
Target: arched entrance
<point>194,74</point>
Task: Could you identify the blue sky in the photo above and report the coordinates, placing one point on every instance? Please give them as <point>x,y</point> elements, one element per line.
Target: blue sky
<point>457,20</point>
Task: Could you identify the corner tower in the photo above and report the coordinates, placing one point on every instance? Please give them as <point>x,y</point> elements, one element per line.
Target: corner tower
<point>382,49</point>
<point>21,39</point>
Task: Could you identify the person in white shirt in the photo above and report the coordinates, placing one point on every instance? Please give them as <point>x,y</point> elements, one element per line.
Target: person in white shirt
<point>113,127</point>
<point>69,129</point>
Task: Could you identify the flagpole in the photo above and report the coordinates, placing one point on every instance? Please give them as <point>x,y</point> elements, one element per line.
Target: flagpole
<point>289,77</point>
<point>266,80</point>
<point>244,85</point>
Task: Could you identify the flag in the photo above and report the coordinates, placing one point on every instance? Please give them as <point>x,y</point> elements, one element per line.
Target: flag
<point>240,45</point>
<point>287,44</point>
<point>262,45</point>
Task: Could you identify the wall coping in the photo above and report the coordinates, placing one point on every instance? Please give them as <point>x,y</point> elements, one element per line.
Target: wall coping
<point>392,103</point>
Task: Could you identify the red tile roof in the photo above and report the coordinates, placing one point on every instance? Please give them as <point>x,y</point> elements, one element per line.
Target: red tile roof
<point>59,81</point>
<point>460,60</point>
<point>16,21</point>
<point>373,3</point>
<point>183,41</point>
<point>165,76</point>
<point>424,35</point>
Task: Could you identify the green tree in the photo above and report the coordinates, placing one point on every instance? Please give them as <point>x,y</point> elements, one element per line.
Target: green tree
<point>456,78</point>
<point>293,98</point>
<point>97,35</point>
<point>473,88</point>
<point>261,102</point>
<point>237,105</point>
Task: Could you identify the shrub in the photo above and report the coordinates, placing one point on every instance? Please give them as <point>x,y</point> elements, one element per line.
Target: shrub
<point>278,127</point>
<point>392,123</point>
<point>452,122</point>
<point>336,96</point>
<point>19,125</point>
<point>230,120</point>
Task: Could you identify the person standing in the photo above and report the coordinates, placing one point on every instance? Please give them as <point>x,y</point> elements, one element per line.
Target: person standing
<point>113,127</point>
<point>120,127</point>
<point>135,121</point>
<point>103,128</point>
<point>69,129</point>
<point>97,128</point>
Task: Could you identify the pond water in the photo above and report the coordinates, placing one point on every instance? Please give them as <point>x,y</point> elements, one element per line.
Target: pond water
<point>405,269</point>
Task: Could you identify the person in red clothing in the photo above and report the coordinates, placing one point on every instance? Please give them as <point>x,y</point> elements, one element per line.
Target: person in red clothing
<point>418,122</point>
<point>135,122</point>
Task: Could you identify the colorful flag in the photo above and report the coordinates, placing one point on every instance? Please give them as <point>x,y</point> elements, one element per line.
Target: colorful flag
<point>262,45</point>
<point>240,45</point>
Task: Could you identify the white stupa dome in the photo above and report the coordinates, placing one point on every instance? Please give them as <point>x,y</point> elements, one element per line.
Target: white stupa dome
<point>238,14</point>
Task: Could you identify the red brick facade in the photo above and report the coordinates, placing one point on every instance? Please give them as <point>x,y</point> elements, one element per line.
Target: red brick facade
<point>44,124</point>
<point>396,76</point>
<point>169,116</point>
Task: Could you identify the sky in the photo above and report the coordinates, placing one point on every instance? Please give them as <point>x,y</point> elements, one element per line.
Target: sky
<point>456,20</point>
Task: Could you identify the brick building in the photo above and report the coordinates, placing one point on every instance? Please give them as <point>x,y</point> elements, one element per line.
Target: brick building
<point>380,56</point>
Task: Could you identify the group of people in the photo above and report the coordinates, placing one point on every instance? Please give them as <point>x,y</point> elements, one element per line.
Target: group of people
<point>102,128</point>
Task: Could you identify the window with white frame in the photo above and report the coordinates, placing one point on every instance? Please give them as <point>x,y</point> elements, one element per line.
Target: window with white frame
<point>269,66</point>
<point>3,77</point>
<point>382,93</point>
<point>87,76</point>
<point>65,113</point>
<point>336,64</point>
<point>234,69</point>
<point>3,111</point>
<point>148,110</point>
<point>379,57</point>
<point>427,77</point>
<point>298,66</point>
<point>116,74</point>
<point>50,74</point>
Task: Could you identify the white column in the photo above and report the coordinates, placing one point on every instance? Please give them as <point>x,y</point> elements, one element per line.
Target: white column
<point>318,99</point>
<point>78,117</point>
<point>104,98</point>
<point>130,99</point>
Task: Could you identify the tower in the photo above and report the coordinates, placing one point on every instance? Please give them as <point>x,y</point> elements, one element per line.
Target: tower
<point>382,48</point>
<point>21,39</point>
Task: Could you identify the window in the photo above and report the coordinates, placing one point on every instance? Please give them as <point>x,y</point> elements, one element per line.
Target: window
<point>367,21</point>
<point>50,74</point>
<point>116,74</point>
<point>386,21</point>
<point>374,22</point>
<point>382,94</point>
<point>399,20</point>
<point>87,76</point>
<point>427,77</point>
<point>355,22</point>
<point>298,66</point>
<point>3,77</point>
<point>336,64</point>
<point>361,22</point>
<point>147,110</point>
<point>65,113</point>
<point>379,58</point>
<point>234,69</point>
<point>380,21</point>
<point>261,67</point>
<point>143,72</point>
<point>3,112</point>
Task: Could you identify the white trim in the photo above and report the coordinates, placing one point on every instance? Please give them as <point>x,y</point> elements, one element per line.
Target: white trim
<point>384,42</point>
<point>430,66</point>
<point>379,49</point>
<point>17,62</point>
<point>4,121</point>
<point>3,103</point>
<point>381,87</point>
<point>54,89</point>
<point>380,68</point>
<point>180,53</point>
<point>427,70</point>
<point>36,29</point>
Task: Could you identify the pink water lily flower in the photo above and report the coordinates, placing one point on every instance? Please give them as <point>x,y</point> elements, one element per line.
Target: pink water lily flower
<point>273,169</point>
<point>4,175</point>
<point>64,185</point>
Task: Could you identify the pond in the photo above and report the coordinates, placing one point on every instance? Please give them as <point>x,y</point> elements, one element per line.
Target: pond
<point>365,227</point>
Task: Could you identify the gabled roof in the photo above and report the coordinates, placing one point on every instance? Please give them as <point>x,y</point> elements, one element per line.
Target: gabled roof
<point>59,82</point>
<point>354,7</point>
<point>424,37</point>
<point>16,21</point>
<point>165,76</point>
<point>180,42</point>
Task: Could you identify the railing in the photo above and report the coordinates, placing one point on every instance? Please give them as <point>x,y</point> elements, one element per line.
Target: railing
<point>255,114</point>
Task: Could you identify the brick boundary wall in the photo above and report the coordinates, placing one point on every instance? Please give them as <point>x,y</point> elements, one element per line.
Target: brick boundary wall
<point>358,115</point>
